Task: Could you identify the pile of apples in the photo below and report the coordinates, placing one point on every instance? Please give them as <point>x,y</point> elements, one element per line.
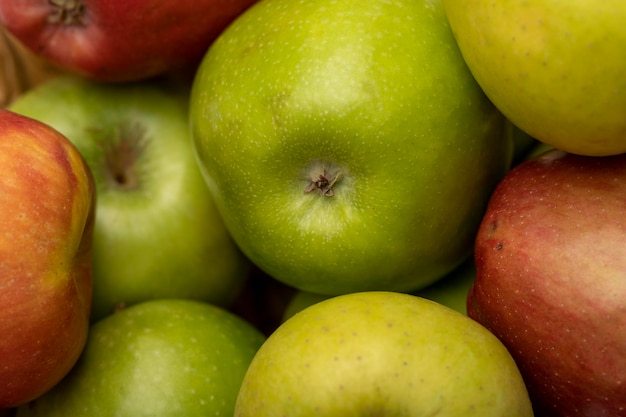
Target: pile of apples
<point>313,207</point>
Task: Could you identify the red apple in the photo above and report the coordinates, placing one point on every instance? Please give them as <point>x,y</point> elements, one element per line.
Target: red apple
<point>551,280</point>
<point>47,205</point>
<point>119,40</point>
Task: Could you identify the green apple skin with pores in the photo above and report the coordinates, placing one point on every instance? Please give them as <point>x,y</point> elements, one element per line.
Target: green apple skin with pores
<point>346,144</point>
<point>382,354</point>
<point>157,231</point>
<point>554,68</point>
<point>166,358</point>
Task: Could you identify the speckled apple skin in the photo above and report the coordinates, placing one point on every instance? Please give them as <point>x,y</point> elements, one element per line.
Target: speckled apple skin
<point>551,280</point>
<point>47,198</point>
<point>555,68</point>
<point>382,354</point>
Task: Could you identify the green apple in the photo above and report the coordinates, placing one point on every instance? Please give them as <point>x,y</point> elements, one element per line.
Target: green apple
<point>450,291</point>
<point>165,358</point>
<point>47,201</point>
<point>157,232</point>
<point>555,69</point>
<point>522,142</point>
<point>346,144</point>
<point>382,354</point>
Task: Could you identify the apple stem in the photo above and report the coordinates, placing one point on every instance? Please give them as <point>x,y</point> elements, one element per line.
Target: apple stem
<point>323,184</point>
<point>67,12</point>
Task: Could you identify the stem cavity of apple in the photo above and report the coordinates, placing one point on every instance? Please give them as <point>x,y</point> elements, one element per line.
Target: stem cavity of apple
<point>122,153</point>
<point>324,182</point>
<point>67,12</point>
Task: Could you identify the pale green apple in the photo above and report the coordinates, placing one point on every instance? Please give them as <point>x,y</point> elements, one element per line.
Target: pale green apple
<point>346,143</point>
<point>382,354</point>
<point>157,231</point>
<point>159,358</point>
<point>555,68</point>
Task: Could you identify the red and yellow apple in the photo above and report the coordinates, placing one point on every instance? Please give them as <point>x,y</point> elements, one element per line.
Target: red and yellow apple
<point>47,203</point>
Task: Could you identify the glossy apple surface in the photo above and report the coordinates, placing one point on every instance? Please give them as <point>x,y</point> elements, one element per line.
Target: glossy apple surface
<point>158,358</point>
<point>119,40</point>
<point>555,69</point>
<point>157,232</point>
<point>551,280</point>
<point>47,204</point>
<point>382,354</point>
<point>346,143</point>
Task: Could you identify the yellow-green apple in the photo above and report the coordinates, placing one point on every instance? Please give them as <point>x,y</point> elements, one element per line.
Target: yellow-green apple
<point>556,69</point>
<point>119,40</point>
<point>161,358</point>
<point>47,201</point>
<point>551,280</point>
<point>346,143</point>
<point>382,354</point>
<point>157,233</point>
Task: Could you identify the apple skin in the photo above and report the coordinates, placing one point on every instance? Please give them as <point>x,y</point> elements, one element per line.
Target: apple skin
<point>47,200</point>
<point>450,291</point>
<point>293,90</point>
<point>382,354</point>
<point>551,280</point>
<point>157,233</point>
<point>119,40</point>
<point>553,68</point>
<point>161,358</point>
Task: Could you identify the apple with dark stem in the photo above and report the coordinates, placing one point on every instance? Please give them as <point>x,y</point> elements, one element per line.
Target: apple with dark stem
<point>47,201</point>
<point>346,144</point>
<point>119,40</point>
<point>551,280</point>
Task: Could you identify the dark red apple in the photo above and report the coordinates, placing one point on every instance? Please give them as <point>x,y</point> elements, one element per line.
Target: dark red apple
<point>119,40</point>
<point>551,280</point>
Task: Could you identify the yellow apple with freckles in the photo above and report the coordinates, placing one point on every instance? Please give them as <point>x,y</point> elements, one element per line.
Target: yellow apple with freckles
<point>47,203</point>
<point>382,354</point>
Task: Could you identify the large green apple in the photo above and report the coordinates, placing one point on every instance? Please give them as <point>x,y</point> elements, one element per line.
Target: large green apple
<point>47,203</point>
<point>165,358</point>
<point>382,354</point>
<point>157,232</point>
<point>555,68</point>
<point>346,143</point>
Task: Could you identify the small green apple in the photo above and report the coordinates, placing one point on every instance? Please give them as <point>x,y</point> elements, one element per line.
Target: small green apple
<point>346,143</point>
<point>450,291</point>
<point>382,354</point>
<point>556,69</point>
<point>157,232</point>
<point>165,358</point>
